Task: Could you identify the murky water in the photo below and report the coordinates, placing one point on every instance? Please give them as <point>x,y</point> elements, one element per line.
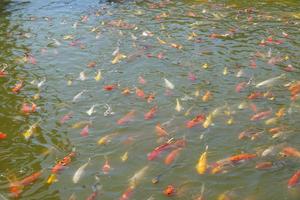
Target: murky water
<point>198,46</point>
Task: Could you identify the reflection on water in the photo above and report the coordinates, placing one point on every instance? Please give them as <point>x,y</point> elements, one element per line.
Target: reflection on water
<point>112,81</point>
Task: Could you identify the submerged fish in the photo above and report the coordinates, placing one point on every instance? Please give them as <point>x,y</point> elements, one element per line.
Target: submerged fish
<point>168,84</point>
<point>269,82</point>
<point>133,181</point>
<point>79,172</point>
<point>77,96</point>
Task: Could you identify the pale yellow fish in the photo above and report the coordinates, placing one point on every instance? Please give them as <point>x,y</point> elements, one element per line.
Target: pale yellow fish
<point>81,124</point>
<point>205,65</point>
<point>161,41</point>
<point>230,121</point>
<point>69,82</point>
<point>98,76</point>
<point>124,157</point>
<point>197,93</point>
<point>271,121</point>
<point>106,139</point>
<point>28,133</point>
<point>208,121</point>
<point>192,36</point>
<point>202,162</point>
<point>225,71</point>
<point>187,113</point>
<point>68,37</point>
<point>118,57</point>
<point>52,178</point>
<point>280,112</point>
<point>178,107</point>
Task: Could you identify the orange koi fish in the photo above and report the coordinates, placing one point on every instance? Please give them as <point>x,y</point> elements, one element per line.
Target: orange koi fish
<point>207,96</point>
<point>128,117</point>
<point>95,192</point>
<point>127,194</point>
<point>261,115</point>
<point>17,186</point>
<point>276,130</point>
<point>27,109</point>
<point>158,150</point>
<point>169,191</point>
<point>161,132</point>
<point>172,156</point>
<point>294,179</point>
<point>63,163</point>
<point>16,89</point>
<point>126,91</point>
<point>197,120</point>
<point>290,151</point>
<point>255,95</point>
<point>294,90</point>
<point>150,114</point>
<point>241,157</point>
<point>264,165</point>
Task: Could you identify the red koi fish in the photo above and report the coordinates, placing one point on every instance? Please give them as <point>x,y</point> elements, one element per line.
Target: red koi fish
<point>85,131</point>
<point>27,109</point>
<point>95,192</point>
<point>127,194</point>
<point>106,167</point>
<point>63,163</point>
<point>255,95</point>
<point>142,80</point>
<point>128,117</point>
<point>241,157</point>
<point>290,151</point>
<point>261,115</point>
<point>16,89</point>
<point>17,186</point>
<point>110,87</point>
<point>151,113</point>
<point>65,118</point>
<point>158,150</point>
<point>294,179</point>
<point>172,156</point>
<point>2,136</point>
<point>197,120</point>
<point>2,73</point>
<point>240,86</point>
<point>139,93</point>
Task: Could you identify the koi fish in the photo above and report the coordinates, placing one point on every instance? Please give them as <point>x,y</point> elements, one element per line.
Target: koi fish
<point>65,118</point>
<point>118,57</point>
<point>150,114</point>
<point>178,107</point>
<point>124,157</point>
<point>208,121</point>
<point>192,77</point>
<point>158,150</point>
<point>16,89</point>
<point>264,165</point>
<point>128,117</point>
<point>82,76</point>
<point>255,95</point>
<point>98,76</point>
<point>133,181</point>
<point>27,109</point>
<point>127,193</point>
<point>240,86</point>
<point>139,93</point>
<point>150,97</point>
<point>106,167</point>
<point>261,115</point>
<point>160,130</point>
<point>96,188</point>
<point>280,112</point>
<point>17,186</point>
<point>294,179</point>
<point>169,191</point>
<point>110,87</point>
<point>172,156</point>
<point>197,120</point>
<point>85,131</point>
<point>77,96</point>
<point>81,124</point>
<point>79,172</point>
<point>91,110</point>
<point>63,163</point>
<point>126,91</point>
<point>142,80</point>
<point>27,134</point>
<point>106,139</point>
<point>290,151</point>
<point>241,157</point>
<point>2,136</point>
<point>202,162</point>
<point>207,96</point>
<point>168,84</point>
<point>269,82</point>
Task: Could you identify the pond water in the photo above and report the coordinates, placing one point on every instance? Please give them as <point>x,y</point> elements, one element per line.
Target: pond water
<point>112,81</point>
